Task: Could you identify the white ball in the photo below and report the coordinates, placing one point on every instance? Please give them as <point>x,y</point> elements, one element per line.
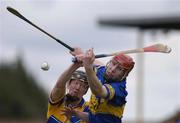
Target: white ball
<point>45,66</point>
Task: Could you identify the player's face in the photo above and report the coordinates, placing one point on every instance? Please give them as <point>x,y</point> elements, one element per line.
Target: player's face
<point>114,71</point>
<point>77,88</point>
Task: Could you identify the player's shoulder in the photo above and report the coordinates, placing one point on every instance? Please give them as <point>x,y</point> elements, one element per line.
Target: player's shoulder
<point>98,67</point>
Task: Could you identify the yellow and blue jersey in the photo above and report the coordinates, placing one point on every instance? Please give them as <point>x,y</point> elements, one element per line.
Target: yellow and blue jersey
<point>54,112</point>
<point>109,109</point>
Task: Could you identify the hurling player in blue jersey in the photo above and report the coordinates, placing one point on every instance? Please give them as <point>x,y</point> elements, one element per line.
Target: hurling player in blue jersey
<point>108,86</point>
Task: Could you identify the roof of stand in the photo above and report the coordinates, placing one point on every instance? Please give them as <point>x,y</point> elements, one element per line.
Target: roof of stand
<point>161,22</point>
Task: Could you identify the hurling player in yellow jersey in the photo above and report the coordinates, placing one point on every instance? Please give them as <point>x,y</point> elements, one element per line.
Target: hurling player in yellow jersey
<point>108,86</point>
<point>77,86</point>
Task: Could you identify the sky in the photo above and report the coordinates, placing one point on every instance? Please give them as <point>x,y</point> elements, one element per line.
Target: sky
<point>76,23</point>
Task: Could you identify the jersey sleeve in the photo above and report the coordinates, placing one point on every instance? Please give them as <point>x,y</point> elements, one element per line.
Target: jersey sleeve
<point>110,91</point>
<point>55,102</point>
<point>117,94</point>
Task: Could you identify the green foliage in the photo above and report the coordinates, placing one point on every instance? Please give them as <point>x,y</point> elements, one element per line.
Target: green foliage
<point>20,96</point>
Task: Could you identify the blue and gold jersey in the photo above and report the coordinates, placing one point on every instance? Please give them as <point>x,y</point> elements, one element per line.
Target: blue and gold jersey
<point>109,109</point>
<point>54,112</point>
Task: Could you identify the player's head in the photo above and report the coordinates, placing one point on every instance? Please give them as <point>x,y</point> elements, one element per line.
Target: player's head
<point>119,67</point>
<point>78,84</point>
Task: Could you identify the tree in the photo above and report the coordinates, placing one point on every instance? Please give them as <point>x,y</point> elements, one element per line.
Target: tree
<point>20,95</point>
